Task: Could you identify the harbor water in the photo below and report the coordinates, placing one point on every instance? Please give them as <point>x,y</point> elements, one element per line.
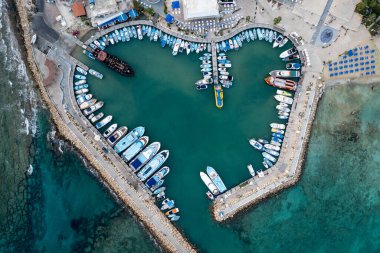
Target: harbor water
<point>61,206</point>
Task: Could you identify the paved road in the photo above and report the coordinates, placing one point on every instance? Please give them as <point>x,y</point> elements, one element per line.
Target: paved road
<point>321,21</point>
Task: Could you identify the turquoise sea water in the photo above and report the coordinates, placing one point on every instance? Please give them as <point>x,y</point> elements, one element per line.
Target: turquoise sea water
<point>62,207</point>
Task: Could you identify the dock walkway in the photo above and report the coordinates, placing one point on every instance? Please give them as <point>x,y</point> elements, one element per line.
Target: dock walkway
<point>214,63</point>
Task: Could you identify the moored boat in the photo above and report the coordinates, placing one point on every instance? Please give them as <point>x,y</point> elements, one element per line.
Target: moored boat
<point>279,126</point>
<point>288,52</point>
<point>83,98</point>
<point>284,99</point>
<point>173,211</point>
<point>293,65</point>
<point>80,82</point>
<point>135,148</point>
<point>257,145</point>
<point>215,178</point>
<point>81,91</point>
<point>129,139</point>
<point>210,185</point>
<point>93,108</point>
<point>140,160</point>
<point>284,93</point>
<point>157,177</point>
<point>96,73</point>
<point>269,157</point>
<point>96,117</point>
<point>281,83</point>
<point>251,170</point>
<point>80,77</point>
<point>109,130</point>
<point>103,122</point>
<point>80,70</point>
<point>117,135</point>
<point>271,146</point>
<point>153,165</point>
<point>285,73</point>
<point>167,204</point>
<point>218,95</point>
<point>87,103</point>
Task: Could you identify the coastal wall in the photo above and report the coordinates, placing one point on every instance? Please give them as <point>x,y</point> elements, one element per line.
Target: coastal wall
<point>163,231</point>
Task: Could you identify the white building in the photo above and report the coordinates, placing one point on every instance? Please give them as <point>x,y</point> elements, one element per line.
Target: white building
<point>198,9</point>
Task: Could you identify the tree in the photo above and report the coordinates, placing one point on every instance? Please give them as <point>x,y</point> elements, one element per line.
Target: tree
<point>277,20</point>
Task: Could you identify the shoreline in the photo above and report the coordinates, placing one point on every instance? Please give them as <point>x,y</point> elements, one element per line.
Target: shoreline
<point>65,132</point>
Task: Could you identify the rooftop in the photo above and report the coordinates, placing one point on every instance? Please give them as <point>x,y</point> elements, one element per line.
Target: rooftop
<point>78,9</point>
<point>196,9</point>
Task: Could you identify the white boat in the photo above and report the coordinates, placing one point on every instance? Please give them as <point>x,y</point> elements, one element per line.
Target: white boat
<point>215,178</point>
<point>272,152</point>
<point>282,108</point>
<point>176,47</point>
<point>284,99</point>
<point>93,108</point>
<point>257,145</point>
<point>81,91</point>
<point>251,170</point>
<point>96,117</point>
<point>269,157</point>
<point>96,73</point>
<point>283,93</point>
<point>87,103</point>
<point>80,82</point>
<point>272,147</point>
<point>103,122</point>
<point>278,126</point>
<point>83,98</point>
<point>82,71</point>
<point>288,52</point>
<point>285,73</point>
<point>110,130</point>
<point>210,185</point>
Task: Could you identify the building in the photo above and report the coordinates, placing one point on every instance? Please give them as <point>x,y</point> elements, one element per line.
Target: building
<point>199,9</point>
<point>78,9</point>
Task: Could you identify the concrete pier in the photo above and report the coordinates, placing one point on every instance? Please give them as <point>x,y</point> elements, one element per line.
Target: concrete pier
<point>214,63</point>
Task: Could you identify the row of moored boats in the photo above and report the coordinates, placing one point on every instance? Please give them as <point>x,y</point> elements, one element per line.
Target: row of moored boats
<point>145,160</point>
<point>213,182</point>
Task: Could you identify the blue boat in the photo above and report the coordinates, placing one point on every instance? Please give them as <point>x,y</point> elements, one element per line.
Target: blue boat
<point>153,165</point>
<point>276,139</point>
<point>122,35</point>
<point>163,40</point>
<point>278,135</point>
<point>89,54</point>
<point>215,178</point>
<point>151,182</point>
<point>135,148</point>
<point>82,86</point>
<point>138,162</point>
<point>270,164</point>
<point>129,139</point>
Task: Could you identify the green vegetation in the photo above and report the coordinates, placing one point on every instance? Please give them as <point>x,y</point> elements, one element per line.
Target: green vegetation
<point>137,6</point>
<point>165,8</point>
<point>277,20</point>
<point>150,11</point>
<point>248,18</point>
<point>370,10</point>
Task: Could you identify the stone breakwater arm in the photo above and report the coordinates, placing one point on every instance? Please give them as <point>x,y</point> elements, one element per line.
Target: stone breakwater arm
<point>113,173</point>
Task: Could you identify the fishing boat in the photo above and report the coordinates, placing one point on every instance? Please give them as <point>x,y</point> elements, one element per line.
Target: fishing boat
<point>80,77</point>
<point>93,108</point>
<point>215,178</point>
<point>140,160</point>
<point>153,165</point>
<point>272,147</point>
<point>110,130</point>
<point>117,135</point>
<point>96,117</point>
<point>81,91</point>
<point>281,83</point>
<point>257,145</point>
<point>251,170</point>
<point>275,130</point>
<point>83,98</point>
<point>167,204</point>
<point>284,99</point>
<point>218,91</point>
<point>129,139</point>
<point>210,185</point>
<point>262,141</point>
<point>135,148</point>
<point>80,70</point>
<point>157,177</point>
<point>288,52</point>
<point>293,65</point>
<point>103,122</point>
<point>284,93</point>
<point>292,57</point>
<point>87,103</point>
<point>285,73</point>
<point>269,157</point>
<point>159,190</point>
<point>272,152</point>
<point>95,73</point>
<point>279,126</point>
<point>173,211</point>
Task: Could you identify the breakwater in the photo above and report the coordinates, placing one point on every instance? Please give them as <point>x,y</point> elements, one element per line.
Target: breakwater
<point>141,205</point>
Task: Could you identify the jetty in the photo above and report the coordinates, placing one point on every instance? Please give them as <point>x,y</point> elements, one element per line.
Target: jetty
<point>214,63</point>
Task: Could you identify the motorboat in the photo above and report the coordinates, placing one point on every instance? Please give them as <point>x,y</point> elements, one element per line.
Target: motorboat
<point>218,92</point>
<point>275,130</point>
<point>96,117</point>
<point>257,145</point>
<point>81,91</point>
<point>215,178</point>
<point>80,70</point>
<point>272,152</point>
<point>79,87</point>
<point>141,159</point>
<point>173,211</point>
<point>83,98</point>
<point>281,136</point>
<point>285,73</point>
<point>117,135</point>
<point>251,170</point>
<point>167,204</point>
<point>157,177</point>
<point>292,57</point>
<point>293,66</point>
<point>271,146</point>
<point>282,108</point>
<point>135,148</point>
<point>159,190</point>
<point>129,139</point>
<point>283,93</point>
<point>210,185</point>
<point>289,52</point>
<point>96,73</point>
<point>279,126</point>
<point>80,77</point>
<point>265,165</point>
<point>267,161</point>
<point>83,81</point>
<point>204,81</point>
<point>262,141</point>
<point>174,217</point>
<point>275,143</point>
<point>201,87</point>
<point>103,122</point>
<point>284,99</point>
<point>279,41</point>
<point>109,130</point>
<point>153,165</point>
